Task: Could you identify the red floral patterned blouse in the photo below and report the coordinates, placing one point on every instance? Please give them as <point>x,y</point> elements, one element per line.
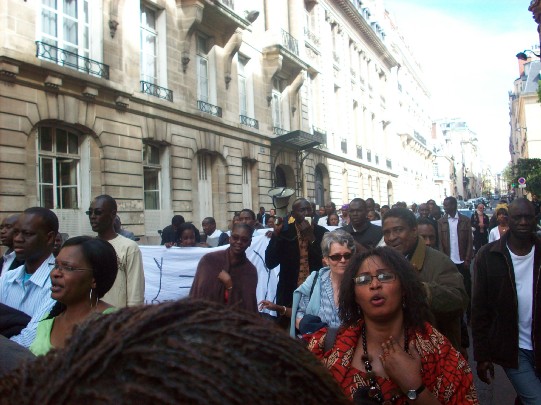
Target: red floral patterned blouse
<point>444,371</point>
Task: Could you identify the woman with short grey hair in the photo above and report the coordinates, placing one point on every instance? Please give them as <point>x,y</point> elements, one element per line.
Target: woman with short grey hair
<point>315,302</point>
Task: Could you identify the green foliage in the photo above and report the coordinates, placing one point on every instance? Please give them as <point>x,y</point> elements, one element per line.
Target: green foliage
<point>530,169</point>
<point>539,91</point>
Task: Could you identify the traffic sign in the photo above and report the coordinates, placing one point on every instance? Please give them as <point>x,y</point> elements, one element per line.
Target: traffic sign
<point>521,180</point>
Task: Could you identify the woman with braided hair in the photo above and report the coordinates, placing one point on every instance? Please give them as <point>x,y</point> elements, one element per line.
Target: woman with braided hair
<point>84,270</point>
<point>183,352</point>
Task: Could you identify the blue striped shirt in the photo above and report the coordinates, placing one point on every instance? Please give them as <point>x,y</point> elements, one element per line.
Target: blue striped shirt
<point>328,312</point>
<point>32,296</point>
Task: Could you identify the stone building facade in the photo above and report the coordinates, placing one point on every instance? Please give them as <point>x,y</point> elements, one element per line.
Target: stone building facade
<point>193,107</point>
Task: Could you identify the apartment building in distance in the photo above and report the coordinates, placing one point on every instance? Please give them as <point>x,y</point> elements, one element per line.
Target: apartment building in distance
<point>525,110</point>
<point>199,107</point>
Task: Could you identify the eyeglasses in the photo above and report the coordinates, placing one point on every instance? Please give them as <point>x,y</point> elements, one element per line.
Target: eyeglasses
<point>338,257</point>
<point>96,211</point>
<point>366,279</point>
<point>67,269</point>
<point>237,238</point>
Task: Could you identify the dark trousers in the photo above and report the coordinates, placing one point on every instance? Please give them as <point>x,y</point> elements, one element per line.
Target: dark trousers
<point>466,274</point>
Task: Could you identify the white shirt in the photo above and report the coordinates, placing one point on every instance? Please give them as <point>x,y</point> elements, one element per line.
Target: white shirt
<point>8,259</point>
<point>213,239</point>
<point>523,268</point>
<point>453,239</point>
<point>33,297</point>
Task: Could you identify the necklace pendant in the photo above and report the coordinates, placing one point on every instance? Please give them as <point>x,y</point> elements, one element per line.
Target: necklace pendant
<point>373,392</point>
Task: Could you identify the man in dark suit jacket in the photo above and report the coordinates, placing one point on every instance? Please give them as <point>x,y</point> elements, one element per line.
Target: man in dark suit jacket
<point>284,250</point>
<point>456,240</point>
<point>262,216</point>
<point>363,231</point>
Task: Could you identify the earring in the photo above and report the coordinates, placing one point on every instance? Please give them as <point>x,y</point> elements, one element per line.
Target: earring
<point>92,306</point>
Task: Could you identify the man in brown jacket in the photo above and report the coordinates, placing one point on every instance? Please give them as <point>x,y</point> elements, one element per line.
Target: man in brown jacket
<point>456,241</point>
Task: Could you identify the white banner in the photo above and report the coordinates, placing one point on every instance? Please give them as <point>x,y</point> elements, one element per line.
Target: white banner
<point>169,272</point>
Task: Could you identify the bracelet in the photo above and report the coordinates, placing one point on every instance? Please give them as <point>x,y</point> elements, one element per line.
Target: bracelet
<point>285,310</point>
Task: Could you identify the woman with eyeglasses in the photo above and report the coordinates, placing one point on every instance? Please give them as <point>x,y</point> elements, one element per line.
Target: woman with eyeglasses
<point>318,295</point>
<point>227,276</point>
<point>386,351</point>
<point>84,270</point>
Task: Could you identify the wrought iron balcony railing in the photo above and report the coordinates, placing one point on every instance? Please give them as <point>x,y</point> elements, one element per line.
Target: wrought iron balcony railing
<point>228,3</point>
<point>290,42</point>
<point>311,36</point>
<point>157,91</point>
<point>71,59</point>
<point>279,131</point>
<point>251,122</point>
<point>209,108</point>
<point>321,133</point>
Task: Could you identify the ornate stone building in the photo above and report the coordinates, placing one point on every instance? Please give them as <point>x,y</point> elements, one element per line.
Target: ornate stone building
<point>195,107</point>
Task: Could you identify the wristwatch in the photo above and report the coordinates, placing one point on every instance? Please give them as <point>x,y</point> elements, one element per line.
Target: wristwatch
<point>414,394</point>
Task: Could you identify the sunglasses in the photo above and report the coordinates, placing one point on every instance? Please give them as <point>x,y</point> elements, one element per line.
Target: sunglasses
<point>338,257</point>
<point>237,238</point>
<point>96,211</point>
<point>366,279</point>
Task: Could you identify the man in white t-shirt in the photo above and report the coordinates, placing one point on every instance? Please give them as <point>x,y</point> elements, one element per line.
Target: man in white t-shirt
<point>506,308</point>
<point>129,286</point>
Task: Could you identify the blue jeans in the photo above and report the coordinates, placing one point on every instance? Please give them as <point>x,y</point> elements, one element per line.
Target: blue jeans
<point>525,380</point>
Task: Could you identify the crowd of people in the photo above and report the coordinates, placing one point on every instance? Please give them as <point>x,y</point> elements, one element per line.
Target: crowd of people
<point>381,295</point>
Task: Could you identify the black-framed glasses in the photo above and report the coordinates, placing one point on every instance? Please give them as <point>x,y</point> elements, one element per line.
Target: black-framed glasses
<point>96,211</point>
<point>366,279</point>
<point>337,257</point>
<point>67,269</point>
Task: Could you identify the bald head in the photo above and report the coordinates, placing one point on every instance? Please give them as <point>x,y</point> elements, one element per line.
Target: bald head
<point>521,219</point>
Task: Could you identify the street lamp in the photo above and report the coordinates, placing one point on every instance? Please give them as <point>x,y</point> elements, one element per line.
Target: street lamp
<point>522,55</point>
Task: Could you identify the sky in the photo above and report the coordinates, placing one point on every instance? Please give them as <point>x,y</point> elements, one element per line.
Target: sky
<point>467,52</point>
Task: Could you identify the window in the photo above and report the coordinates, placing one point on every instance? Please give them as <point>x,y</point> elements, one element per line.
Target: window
<point>202,69</point>
<point>58,168</point>
<point>243,94</point>
<point>151,176</point>
<point>277,104</point>
<point>369,155</point>
<point>246,183</point>
<point>344,145</point>
<point>65,25</point>
<point>149,45</point>
<point>359,152</point>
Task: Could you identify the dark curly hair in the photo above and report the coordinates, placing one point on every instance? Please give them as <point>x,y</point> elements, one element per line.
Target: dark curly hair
<point>182,352</point>
<point>101,256</point>
<point>416,311</point>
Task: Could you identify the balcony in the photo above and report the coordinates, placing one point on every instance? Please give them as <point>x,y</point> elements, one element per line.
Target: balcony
<point>250,122</point>
<point>279,131</point>
<point>321,133</point>
<point>311,37</point>
<point>209,108</point>
<point>282,55</point>
<point>156,91</point>
<point>71,59</point>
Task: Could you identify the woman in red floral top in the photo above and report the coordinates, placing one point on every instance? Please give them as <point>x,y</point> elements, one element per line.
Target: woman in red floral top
<point>386,351</point>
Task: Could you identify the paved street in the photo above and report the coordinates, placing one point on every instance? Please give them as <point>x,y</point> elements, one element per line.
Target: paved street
<point>500,392</point>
